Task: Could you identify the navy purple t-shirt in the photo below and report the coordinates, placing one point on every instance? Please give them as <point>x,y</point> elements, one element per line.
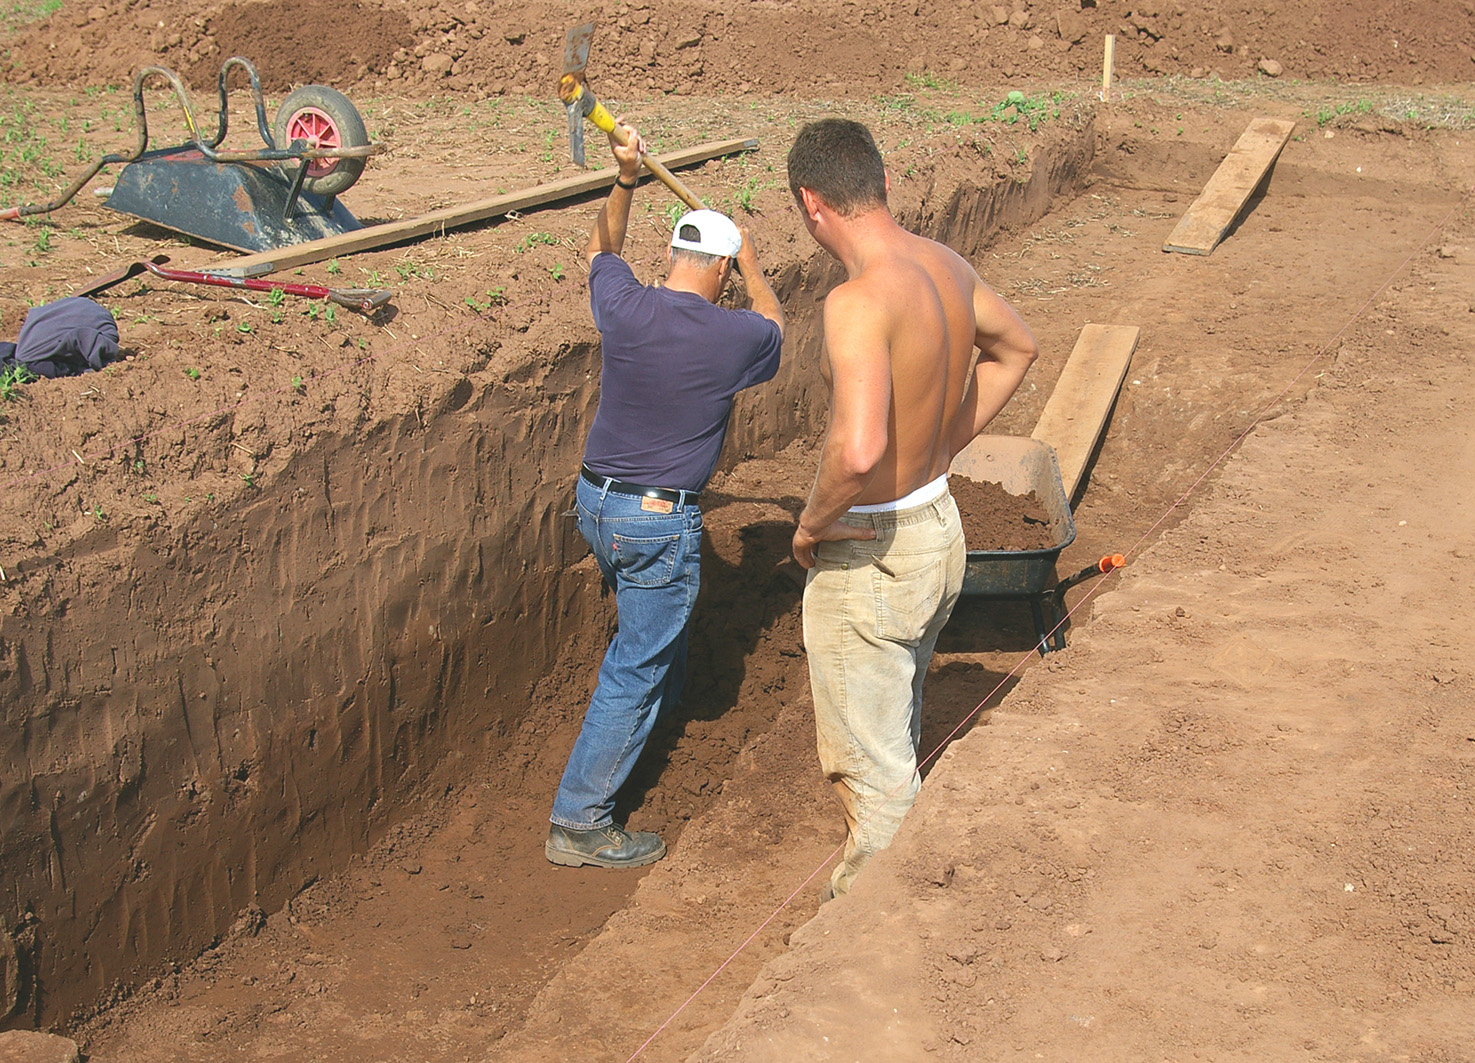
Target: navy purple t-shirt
<point>672,363</point>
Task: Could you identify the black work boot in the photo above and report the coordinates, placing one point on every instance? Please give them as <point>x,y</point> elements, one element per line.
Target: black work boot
<point>610,846</point>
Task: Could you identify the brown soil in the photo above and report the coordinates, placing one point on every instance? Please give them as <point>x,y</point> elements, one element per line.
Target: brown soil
<point>295,635</point>
<point>816,48</point>
<point>993,519</point>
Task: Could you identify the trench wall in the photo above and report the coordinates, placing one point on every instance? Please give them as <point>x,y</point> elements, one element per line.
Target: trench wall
<point>300,667</point>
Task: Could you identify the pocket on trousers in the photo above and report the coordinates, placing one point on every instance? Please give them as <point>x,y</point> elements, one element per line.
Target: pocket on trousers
<point>907,604</point>
<point>649,562</point>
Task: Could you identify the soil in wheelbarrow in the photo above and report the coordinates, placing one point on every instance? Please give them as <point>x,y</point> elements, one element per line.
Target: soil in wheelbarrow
<point>993,519</point>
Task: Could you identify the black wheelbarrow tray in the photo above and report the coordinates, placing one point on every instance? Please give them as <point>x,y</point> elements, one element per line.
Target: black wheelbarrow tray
<point>1021,465</point>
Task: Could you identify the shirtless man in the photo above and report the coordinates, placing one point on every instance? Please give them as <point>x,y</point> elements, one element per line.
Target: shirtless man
<point>880,534</point>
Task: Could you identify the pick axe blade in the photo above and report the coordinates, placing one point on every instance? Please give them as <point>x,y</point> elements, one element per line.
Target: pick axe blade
<point>575,59</point>
<point>578,99</point>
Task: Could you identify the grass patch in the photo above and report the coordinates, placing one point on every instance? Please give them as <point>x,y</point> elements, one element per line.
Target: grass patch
<point>23,12</point>
<point>1326,103</point>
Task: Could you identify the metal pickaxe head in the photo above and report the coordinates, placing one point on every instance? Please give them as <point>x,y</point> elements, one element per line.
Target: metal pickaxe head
<point>577,100</point>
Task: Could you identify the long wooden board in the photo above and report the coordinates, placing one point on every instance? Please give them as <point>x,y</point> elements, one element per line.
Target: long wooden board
<point>1075,415</point>
<point>448,218</point>
<point>1209,217</point>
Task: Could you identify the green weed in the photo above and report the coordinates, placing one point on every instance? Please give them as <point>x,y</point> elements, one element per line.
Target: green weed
<point>899,102</point>
<point>746,194</point>
<point>928,80</point>
<point>1360,107</point>
<point>1035,110</point>
<point>495,297</point>
<point>12,378</point>
<point>532,239</point>
<point>556,271</point>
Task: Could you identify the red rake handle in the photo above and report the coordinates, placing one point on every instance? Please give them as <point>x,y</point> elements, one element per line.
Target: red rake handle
<point>364,300</point>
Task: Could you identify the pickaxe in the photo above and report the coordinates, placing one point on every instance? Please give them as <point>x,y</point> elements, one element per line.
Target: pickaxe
<point>580,103</point>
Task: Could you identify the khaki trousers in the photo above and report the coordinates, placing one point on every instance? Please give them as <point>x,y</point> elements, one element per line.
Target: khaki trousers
<point>872,612</point>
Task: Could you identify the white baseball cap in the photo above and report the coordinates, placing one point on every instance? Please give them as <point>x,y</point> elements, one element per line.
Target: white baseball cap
<point>708,232</point>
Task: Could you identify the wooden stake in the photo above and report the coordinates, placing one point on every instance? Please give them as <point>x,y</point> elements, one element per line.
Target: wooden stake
<point>1108,61</point>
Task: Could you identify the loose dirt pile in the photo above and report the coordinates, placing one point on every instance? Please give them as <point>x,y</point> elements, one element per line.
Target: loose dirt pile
<point>993,519</point>
<point>815,48</point>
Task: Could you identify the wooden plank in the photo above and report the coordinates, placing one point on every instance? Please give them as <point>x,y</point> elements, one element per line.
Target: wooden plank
<point>1209,217</point>
<point>1075,415</point>
<point>375,236</point>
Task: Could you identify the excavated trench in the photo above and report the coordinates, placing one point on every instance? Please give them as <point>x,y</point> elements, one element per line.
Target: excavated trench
<point>298,672</point>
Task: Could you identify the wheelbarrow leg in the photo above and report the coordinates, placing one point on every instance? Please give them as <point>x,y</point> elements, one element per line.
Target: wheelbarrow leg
<point>1042,633</point>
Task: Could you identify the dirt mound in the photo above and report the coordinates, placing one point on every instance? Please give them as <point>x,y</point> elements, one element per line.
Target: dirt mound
<point>315,42</point>
<point>641,47</point>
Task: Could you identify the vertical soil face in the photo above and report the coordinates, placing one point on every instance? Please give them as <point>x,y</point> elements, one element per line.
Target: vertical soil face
<point>204,718</point>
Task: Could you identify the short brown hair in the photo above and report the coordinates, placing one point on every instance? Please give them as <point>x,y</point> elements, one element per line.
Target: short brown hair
<point>838,159</point>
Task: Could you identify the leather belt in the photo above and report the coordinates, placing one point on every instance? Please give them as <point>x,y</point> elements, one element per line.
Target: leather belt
<point>620,487</point>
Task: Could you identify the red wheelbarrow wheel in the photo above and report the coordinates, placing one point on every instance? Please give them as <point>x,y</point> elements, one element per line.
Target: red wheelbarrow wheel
<point>324,118</point>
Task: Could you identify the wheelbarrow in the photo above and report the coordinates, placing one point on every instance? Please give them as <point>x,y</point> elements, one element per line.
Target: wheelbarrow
<point>258,200</point>
<point>1022,466</point>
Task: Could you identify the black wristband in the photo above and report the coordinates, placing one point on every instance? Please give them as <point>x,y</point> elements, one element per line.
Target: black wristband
<point>630,187</point>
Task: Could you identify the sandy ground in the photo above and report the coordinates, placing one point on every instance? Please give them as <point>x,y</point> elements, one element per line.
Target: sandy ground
<point>1230,821</point>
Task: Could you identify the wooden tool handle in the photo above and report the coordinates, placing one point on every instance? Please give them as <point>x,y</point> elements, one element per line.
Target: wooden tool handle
<point>601,117</point>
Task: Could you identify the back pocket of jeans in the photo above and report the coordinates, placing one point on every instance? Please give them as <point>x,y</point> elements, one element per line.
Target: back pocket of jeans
<point>906,604</point>
<point>648,562</point>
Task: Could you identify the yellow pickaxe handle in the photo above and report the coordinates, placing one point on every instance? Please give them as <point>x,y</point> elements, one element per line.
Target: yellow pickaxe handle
<point>574,93</point>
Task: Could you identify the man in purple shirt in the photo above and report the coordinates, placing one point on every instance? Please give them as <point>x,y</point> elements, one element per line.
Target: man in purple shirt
<point>672,360</point>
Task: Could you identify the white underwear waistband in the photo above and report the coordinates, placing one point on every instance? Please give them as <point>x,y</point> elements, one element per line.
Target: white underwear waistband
<point>922,495</point>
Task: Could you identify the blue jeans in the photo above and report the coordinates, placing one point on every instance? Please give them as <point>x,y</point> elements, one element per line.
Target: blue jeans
<point>653,562</point>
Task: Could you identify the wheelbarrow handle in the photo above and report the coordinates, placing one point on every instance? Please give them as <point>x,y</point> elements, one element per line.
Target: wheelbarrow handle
<point>1109,563</point>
